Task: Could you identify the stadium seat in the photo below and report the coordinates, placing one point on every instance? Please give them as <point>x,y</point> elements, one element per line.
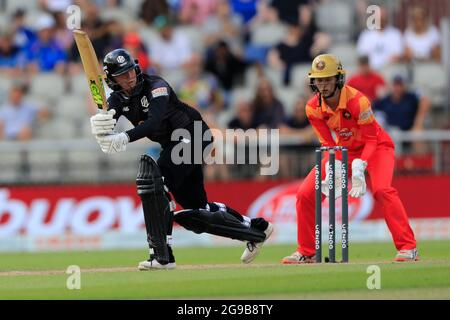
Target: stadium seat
<point>5,86</point>
<point>346,52</point>
<point>10,167</point>
<point>133,6</point>
<point>45,165</point>
<point>29,6</point>
<point>174,77</point>
<point>123,165</point>
<point>288,96</point>
<point>194,35</point>
<point>147,34</point>
<point>299,76</point>
<point>336,18</point>
<point>431,79</point>
<point>121,15</point>
<point>269,34</point>
<point>390,70</point>
<point>79,85</point>
<point>48,85</point>
<point>252,76</point>
<point>85,165</point>
<point>57,129</point>
<point>241,93</point>
<point>71,107</point>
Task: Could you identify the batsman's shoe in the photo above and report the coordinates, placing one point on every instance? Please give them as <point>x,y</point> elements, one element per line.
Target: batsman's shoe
<point>152,263</point>
<point>253,248</point>
<point>298,258</point>
<point>407,255</point>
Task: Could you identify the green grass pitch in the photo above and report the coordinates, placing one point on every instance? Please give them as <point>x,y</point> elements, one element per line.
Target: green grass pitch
<point>216,273</point>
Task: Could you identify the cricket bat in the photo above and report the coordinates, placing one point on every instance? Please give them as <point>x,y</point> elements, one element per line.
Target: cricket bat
<point>91,68</point>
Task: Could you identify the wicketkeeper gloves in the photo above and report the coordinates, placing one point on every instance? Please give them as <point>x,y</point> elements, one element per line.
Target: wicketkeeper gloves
<point>358,178</point>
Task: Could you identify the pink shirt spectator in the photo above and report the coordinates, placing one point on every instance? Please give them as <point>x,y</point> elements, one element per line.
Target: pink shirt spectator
<point>197,11</point>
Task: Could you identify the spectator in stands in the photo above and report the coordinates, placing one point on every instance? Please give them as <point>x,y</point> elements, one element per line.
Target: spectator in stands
<point>114,33</point>
<point>295,160</point>
<point>53,6</point>
<point>245,8</point>
<point>133,44</point>
<point>244,117</point>
<point>12,59</point>
<point>402,108</point>
<point>226,66</point>
<point>150,9</point>
<point>199,89</point>
<point>422,39</point>
<point>24,36</point>
<point>63,36</point>
<point>224,25</point>
<point>45,54</point>
<point>99,43</point>
<point>294,49</point>
<point>265,15</point>
<point>291,10</point>
<point>297,124</point>
<point>367,80</point>
<point>195,12</point>
<point>171,50</point>
<point>383,46</point>
<point>268,111</point>
<point>17,117</point>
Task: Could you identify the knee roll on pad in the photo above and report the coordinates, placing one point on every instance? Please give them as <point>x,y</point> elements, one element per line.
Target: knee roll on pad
<point>219,223</point>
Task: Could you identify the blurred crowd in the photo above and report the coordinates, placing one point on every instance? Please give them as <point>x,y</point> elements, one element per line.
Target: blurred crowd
<point>242,63</point>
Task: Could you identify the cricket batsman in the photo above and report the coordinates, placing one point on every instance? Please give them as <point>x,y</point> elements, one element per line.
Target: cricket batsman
<point>340,111</point>
<point>154,109</point>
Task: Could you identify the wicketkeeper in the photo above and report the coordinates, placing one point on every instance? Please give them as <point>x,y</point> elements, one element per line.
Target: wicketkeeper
<point>345,112</point>
<point>152,106</point>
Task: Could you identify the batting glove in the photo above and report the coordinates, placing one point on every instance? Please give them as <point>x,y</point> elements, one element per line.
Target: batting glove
<point>112,143</point>
<point>358,178</point>
<point>103,123</point>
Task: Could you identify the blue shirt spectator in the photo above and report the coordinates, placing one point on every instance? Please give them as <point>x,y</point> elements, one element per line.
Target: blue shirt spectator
<point>11,57</point>
<point>245,8</point>
<point>24,37</point>
<point>403,109</point>
<point>16,116</point>
<point>45,54</point>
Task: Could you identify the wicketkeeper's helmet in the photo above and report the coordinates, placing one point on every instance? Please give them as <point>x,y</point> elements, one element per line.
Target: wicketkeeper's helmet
<point>324,66</point>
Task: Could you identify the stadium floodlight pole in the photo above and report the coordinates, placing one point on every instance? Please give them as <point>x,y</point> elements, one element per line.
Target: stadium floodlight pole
<point>318,225</point>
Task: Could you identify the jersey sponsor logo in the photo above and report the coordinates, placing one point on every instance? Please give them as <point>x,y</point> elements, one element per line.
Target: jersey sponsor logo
<point>158,92</point>
<point>144,102</point>
<point>345,134</point>
<point>347,115</point>
<point>366,115</point>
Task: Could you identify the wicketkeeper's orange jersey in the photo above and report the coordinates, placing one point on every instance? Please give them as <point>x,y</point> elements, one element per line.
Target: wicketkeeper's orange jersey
<point>352,123</point>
